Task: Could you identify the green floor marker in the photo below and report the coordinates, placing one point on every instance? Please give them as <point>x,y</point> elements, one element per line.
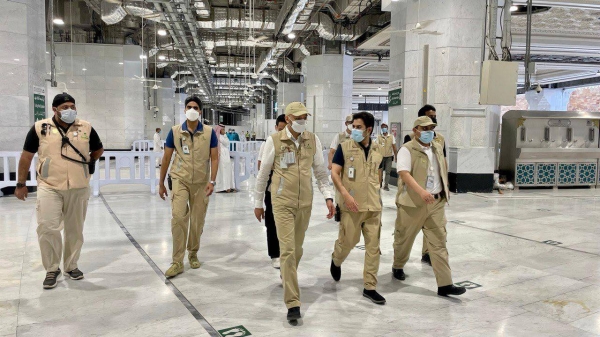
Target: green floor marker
<point>236,331</point>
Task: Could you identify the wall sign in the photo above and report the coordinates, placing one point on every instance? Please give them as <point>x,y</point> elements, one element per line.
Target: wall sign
<point>39,103</point>
<point>394,97</point>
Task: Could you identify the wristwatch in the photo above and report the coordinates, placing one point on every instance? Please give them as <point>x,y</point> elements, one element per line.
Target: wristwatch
<point>19,185</point>
<point>213,183</point>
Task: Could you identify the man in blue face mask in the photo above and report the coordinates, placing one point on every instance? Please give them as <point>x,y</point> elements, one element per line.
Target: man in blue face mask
<point>422,195</point>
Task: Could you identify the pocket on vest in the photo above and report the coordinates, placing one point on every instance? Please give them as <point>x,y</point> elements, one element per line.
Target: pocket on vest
<point>45,168</point>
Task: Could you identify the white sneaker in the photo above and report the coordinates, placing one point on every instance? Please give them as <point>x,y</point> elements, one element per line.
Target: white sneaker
<point>275,263</point>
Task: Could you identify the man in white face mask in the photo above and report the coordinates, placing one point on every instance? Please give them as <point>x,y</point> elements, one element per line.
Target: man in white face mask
<point>68,148</point>
<point>292,153</point>
<point>195,146</point>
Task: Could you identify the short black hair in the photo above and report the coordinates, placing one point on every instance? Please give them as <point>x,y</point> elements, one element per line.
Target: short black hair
<point>425,108</point>
<point>366,117</point>
<point>158,129</point>
<point>280,119</point>
<point>193,99</point>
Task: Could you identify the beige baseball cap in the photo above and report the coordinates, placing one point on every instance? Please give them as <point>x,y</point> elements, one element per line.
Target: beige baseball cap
<point>424,121</point>
<point>296,109</point>
<point>349,118</point>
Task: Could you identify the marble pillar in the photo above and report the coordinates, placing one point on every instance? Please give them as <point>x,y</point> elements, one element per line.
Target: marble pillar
<point>441,66</point>
<point>328,80</point>
<point>105,82</point>
<point>22,65</point>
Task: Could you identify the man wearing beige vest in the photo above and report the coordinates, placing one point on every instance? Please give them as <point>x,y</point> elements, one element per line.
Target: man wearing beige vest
<point>292,153</point>
<point>68,148</point>
<point>421,201</point>
<point>341,138</point>
<point>355,173</point>
<point>196,159</point>
<point>429,111</point>
<point>388,144</point>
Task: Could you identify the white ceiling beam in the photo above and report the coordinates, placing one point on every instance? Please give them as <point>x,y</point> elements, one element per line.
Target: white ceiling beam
<point>581,4</point>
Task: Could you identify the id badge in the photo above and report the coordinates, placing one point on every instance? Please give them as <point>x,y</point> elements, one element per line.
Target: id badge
<point>290,157</point>
<point>429,182</point>
<point>282,162</point>
<point>351,173</point>
<point>186,149</point>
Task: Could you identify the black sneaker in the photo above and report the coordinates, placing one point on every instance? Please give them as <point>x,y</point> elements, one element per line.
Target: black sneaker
<point>426,259</point>
<point>336,272</point>
<point>75,274</point>
<point>399,274</point>
<point>451,290</point>
<point>374,296</point>
<point>294,314</point>
<point>51,279</point>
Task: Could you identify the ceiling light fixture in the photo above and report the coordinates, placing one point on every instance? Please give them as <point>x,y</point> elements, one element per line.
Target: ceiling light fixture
<point>162,32</point>
<point>58,21</point>
<point>162,57</point>
<point>84,69</point>
<point>291,35</point>
<point>514,8</point>
<point>379,88</point>
<point>360,95</point>
<point>121,63</point>
<point>142,57</point>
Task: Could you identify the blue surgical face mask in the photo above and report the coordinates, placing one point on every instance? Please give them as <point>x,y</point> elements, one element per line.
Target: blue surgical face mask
<point>357,135</point>
<point>426,137</point>
<point>384,130</point>
<point>68,115</point>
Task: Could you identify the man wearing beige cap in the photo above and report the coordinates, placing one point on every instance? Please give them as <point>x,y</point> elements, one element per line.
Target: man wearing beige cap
<point>421,200</point>
<point>291,154</point>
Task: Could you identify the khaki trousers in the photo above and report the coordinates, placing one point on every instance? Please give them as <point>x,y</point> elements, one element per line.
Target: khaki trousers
<point>432,220</point>
<point>57,210</point>
<point>351,226</point>
<point>291,224</point>
<point>188,204</point>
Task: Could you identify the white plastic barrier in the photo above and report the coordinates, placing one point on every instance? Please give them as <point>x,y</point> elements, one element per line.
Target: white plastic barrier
<point>7,168</point>
<point>244,166</point>
<point>253,146</point>
<point>145,145</point>
<point>122,167</point>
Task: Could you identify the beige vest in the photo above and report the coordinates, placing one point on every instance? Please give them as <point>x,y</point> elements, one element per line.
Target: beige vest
<point>342,138</point>
<point>364,187</point>
<point>53,170</point>
<point>192,168</point>
<point>292,186</point>
<point>419,166</point>
<point>386,142</point>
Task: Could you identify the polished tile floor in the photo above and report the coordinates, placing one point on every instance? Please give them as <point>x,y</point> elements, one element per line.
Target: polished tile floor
<point>532,259</point>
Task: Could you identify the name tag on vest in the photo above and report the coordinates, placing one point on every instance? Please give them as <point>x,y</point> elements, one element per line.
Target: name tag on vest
<point>186,149</point>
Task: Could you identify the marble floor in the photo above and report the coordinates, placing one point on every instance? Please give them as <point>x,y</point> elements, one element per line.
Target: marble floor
<point>532,259</point>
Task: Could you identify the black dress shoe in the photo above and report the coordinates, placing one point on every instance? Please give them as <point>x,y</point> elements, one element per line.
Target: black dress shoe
<point>374,296</point>
<point>426,259</point>
<point>451,290</point>
<point>336,272</point>
<point>293,314</point>
<point>399,274</point>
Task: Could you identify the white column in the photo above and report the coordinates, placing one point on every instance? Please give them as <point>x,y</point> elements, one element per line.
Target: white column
<point>444,70</point>
<point>328,80</point>
<point>22,65</point>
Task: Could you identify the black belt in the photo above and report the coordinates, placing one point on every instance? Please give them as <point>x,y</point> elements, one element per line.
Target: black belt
<point>438,196</point>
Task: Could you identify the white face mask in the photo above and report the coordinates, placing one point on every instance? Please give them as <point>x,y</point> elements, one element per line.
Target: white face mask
<point>192,115</point>
<point>299,126</point>
<point>68,115</point>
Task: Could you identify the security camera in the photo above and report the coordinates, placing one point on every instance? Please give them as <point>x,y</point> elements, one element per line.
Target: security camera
<point>538,89</point>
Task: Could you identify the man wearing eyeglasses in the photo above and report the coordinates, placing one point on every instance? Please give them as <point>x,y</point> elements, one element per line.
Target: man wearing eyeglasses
<point>68,148</point>
<point>195,146</point>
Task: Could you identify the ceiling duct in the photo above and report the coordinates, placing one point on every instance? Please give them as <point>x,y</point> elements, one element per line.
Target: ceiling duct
<point>292,16</point>
<point>202,8</point>
<point>288,66</point>
<point>234,18</point>
<point>111,13</point>
<point>329,30</point>
<point>138,9</point>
